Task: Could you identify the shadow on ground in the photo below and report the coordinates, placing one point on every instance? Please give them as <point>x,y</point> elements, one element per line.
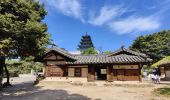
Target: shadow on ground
<point>27,91</point>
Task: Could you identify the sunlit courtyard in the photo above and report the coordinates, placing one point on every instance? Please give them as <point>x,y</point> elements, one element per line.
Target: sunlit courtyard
<point>25,90</point>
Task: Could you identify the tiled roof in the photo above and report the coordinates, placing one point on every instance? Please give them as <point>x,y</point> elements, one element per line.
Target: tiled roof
<point>120,56</point>
<point>127,59</point>
<point>105,59</point>
<point>127,51</point>
<point>90,59</point>
<point>62,52</point>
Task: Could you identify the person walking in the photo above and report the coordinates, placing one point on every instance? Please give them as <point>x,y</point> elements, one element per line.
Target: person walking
<point>157,78</point>
<point>153,77</point>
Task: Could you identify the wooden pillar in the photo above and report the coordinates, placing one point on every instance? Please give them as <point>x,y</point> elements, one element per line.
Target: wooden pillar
<point>46,67</point>
<point>91,72</point>
<point>109,73</point>
<point>139,69</point>
<point>165,71</point>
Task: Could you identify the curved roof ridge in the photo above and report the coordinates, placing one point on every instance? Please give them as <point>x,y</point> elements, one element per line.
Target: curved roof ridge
<point>61,51</point>
<point>123,49</point>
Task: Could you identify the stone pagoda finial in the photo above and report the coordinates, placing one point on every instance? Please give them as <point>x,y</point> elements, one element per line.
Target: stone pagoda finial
<point>86,33</point>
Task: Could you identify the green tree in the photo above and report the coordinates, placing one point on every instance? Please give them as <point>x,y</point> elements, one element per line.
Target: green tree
<point>107,52</point>
<point>23,66</point>
<point>156,45</point>
<point>89,51</point>
<point>22,32</point>
<point>28,63</point>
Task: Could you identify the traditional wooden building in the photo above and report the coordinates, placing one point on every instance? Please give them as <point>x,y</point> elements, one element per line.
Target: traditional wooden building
<point>122,65</point>
<point>164,67</point>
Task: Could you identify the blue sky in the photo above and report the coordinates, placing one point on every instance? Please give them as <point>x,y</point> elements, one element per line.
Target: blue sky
<point>111,23</point>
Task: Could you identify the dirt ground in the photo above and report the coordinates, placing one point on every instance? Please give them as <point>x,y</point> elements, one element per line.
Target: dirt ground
<point>66,91</point>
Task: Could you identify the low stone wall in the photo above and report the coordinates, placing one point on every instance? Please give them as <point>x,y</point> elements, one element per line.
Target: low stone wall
<point>83,82</point>
<point>26,75</point>
<point>67,79</point>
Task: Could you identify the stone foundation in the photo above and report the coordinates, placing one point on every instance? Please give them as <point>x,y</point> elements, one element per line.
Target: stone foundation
<point>67,79</point>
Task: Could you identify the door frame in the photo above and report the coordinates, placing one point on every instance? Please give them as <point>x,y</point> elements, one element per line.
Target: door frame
<point>77,68</point>
<point>99,67</point>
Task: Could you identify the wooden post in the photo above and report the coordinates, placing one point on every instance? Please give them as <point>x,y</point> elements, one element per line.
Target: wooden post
<point>109,74</point>
<point>91,73</point>
<point>165,71</point>
<point>139,69</point>
<point>67,72</point>
<point>46,71</point>
<point>45,68</point>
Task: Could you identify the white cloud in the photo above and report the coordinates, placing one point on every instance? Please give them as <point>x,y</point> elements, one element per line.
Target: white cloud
<point>106,14</point>
<point>134,24</point>
<point>109,16</point>
<point>71,8</point>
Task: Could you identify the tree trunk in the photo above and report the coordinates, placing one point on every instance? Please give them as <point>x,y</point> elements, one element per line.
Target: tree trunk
<point>1,70</point>
<point>2,63</point>
<point>7,74</point>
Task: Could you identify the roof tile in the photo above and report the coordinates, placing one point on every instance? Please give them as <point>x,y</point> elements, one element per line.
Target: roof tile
<point>116,57</point>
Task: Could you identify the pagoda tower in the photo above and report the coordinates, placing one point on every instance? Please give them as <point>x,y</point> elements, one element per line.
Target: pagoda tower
<point>85,43</point>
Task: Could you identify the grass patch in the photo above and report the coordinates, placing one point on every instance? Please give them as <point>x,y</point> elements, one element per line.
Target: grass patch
<point>162,91</point>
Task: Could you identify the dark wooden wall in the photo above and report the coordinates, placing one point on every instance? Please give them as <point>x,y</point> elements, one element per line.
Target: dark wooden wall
<point>126,74</point>
<point>52,71</point>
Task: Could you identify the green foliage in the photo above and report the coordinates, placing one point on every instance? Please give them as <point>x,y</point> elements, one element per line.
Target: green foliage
<point>24,66</point>
<point>156,45</point>
<point>89,51</point>
<point>162,61</point>
<point>165,91</point>
<point>22,32</point>
<point>13,67</point>
<point>107,52</point>
<point>147,69</point>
